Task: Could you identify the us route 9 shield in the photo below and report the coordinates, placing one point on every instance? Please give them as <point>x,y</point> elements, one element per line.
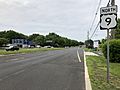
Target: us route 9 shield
<point>108,21</point>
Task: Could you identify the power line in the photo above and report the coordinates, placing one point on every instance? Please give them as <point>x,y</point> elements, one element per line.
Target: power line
<point>108,3</point>
<point>95,30</point>
<point>94,18</point>
<point>98,22</point>
<point>95,15</point>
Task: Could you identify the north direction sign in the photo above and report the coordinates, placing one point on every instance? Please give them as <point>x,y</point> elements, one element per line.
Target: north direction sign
<point>108,17</point>
<point>108,10</point>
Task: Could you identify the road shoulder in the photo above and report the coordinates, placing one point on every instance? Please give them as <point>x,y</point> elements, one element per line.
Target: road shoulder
<point>87,79</point>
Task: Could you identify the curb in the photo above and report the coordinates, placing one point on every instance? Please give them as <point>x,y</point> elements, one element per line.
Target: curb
<point>87,79</point>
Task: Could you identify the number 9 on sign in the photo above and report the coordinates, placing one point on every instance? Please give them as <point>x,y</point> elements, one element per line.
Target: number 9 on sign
<point>108,21</point>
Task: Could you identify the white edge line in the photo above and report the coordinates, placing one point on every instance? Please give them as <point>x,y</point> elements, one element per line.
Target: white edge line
<point>18,72</point>
<point>87,79</point>
<point>78,56</point>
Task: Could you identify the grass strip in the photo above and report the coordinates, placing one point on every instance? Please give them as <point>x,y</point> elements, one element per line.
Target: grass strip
<point>88,50</point>
<point>27,50</point>
<point>97,71</point>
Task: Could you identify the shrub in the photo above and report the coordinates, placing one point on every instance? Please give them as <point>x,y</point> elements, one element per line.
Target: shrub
<point>3,41</point>
<point>101,45</point>
<point>114,50</point>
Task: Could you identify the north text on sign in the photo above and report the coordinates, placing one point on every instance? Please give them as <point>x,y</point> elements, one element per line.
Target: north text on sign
<point>108,10</point>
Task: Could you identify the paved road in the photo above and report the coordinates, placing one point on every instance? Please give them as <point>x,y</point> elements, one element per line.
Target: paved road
<point>51,70</point>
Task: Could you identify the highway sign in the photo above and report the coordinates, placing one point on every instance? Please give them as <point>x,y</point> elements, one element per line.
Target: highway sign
<point>108,21</point>
<point>108,17</point>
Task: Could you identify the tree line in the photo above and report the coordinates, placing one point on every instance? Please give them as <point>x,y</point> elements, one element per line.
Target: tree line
<point>51,39</point>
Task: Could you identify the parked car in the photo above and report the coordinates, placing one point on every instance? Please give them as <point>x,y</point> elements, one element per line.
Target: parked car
<point>12,48</point>
<point>47,46</point>
<point>38,46</point>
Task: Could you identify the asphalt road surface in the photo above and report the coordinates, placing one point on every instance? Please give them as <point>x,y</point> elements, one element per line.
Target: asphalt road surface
<point>50,70</point>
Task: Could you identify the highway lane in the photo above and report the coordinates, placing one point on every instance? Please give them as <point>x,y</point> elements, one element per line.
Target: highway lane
<point>51,70</point>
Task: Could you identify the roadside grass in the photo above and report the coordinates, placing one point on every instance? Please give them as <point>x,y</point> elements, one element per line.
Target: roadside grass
<point>97,71</point>
<point>88,50</point>
<point>27,50</point>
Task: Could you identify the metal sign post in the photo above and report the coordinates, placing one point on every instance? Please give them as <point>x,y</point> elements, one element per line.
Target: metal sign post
<point>108,20</point>
<point>108,57</point>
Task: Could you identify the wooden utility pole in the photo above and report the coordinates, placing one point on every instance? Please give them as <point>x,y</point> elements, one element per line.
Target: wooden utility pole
<point>112,2</point>
<point>113,31</point>
<point>88,35</point>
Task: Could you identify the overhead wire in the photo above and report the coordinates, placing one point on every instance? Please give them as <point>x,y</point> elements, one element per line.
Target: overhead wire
<point>95,30</point>
<point>98,23</point>
<point>95,15</point>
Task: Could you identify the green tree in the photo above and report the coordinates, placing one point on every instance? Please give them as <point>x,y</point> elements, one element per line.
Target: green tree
<point>81,43</point>
<point>3,41</point>
<point>33,36</point>
<point>40,40</point>
<point>12,35</point>
<point>61,41</point>
<point>2,34</point>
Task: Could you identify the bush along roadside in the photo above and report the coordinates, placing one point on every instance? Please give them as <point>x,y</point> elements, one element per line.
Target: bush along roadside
<point>114,51</point>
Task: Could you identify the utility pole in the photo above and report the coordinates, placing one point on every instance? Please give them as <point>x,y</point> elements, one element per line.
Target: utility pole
<point>113,30</point>
<point>88,35</point>
<point>112,2</point>
<point>108,51</point>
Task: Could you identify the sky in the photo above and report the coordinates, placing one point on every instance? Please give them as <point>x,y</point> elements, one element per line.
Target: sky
<point>68,18</point>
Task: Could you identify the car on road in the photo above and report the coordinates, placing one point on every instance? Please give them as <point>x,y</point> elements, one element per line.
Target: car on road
<point>12,48</point>
<point>48,47</point>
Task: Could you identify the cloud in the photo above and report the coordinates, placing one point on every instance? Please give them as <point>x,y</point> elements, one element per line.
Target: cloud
<point>70,18</point>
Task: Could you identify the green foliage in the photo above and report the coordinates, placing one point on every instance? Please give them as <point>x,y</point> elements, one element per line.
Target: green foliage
<point>40,40</point>
<point>89,43</point>
<point>57,41</point>
<point>101,45</point>
<point>114,50</point>
<point>3,41</point>
<point>103,41</point>
<point>12,35</point>
<point>81,43</point>
<point>33,36</point>
<point>61,41</point>
<point>117,31</point>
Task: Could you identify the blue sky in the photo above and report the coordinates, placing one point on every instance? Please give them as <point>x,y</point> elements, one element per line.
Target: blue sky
<point>68,18</point>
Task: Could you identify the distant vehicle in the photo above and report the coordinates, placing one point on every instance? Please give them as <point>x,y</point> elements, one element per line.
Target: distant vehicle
<point>47,46</point>
<point>12,48</point>
<point>67,47</point>
<point>38,46</point>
